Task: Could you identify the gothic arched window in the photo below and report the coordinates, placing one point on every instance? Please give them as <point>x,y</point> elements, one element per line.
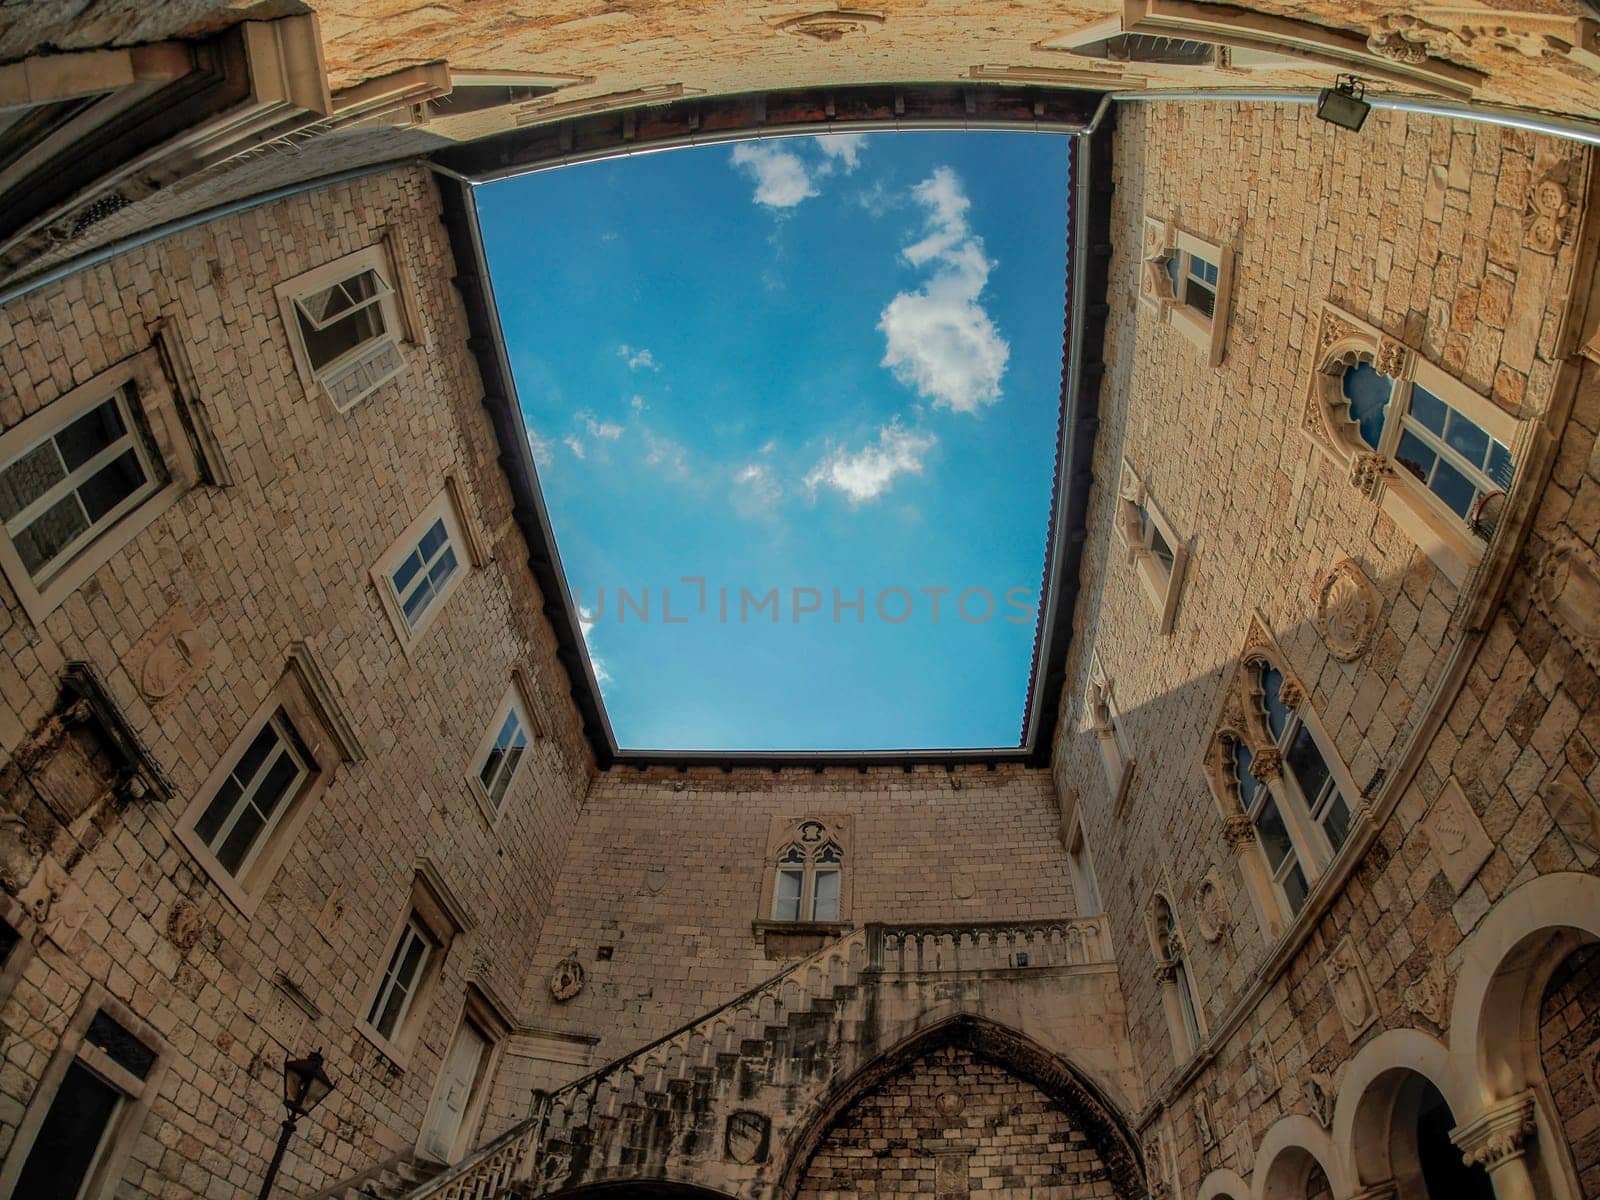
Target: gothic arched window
<point>808,881</point>
<point>1259,804</point>
<point>1177,989</point>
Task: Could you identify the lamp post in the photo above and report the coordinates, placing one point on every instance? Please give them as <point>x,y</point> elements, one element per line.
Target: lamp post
<point>305,1085</point>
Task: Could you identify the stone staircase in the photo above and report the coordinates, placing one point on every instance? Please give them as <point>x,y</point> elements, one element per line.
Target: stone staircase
<point>736,1087</point>
<point>390,1180</point>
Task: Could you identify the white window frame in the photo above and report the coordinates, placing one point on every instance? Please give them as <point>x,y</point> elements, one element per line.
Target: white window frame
<point>126,1122</point>
<point>514,702</point>
<point>291,700</point>
<point>154,432</point>
<point>1186,1023</point>
<point>441,508</point>
<point>288,745</point>
<point>1165,242</point>
<point>414,932</point>
<point>1116,747</point>
<point>329,380</point>
<point>434,912</point>
<point>1428,521</point>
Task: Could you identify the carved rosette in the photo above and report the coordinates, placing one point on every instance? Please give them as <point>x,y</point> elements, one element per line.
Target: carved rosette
<point>1347,611</point>
<point>1548,216</point>
<point>1210,907</point>
<point>1499,1135</point>
<point>567,980</point>
<point>831,25</point>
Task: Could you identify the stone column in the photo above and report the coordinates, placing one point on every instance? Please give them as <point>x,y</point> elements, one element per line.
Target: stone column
<point>1497,1140</point>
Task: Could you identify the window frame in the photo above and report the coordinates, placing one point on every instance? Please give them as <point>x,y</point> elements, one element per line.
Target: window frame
<point>1165,243</point>
<point>1186,1022</point>
<point>1105,718</point>
<point>392,306</point>
<point>443,507</point>
<point>1139,520</point>
<point>155,427</point>
<point>784,833</point>
<point>294,700</point>
<point>126,1122</point>
<point>1080,868</point>
<point>516,700</point>
<point>1451,541</point>
<point>434,910</point>
<point>809,870</point>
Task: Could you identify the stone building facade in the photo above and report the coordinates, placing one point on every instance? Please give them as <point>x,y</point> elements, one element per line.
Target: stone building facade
<point>1304,903</point>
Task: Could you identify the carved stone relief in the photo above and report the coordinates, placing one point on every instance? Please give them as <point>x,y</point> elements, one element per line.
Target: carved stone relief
<point>952,1174</point>
<point>1347,610</point>
<point>1547,221</point>
<point>1457,836</point>
<point>1428,996</point>
<point>1321,1092</point>
<point>1369,470</point>
<point>1576,814</point>
<point>1566,589</point>
<point>1266,1068</point>
<point>1155,1165</point>
<point>1210,907</point>
<point>746,1136</point>
<point>566,981</point>
<point>169,656</point>
<point>1204,1127</point>
<point>1352,993</point>
<point>832,24</point>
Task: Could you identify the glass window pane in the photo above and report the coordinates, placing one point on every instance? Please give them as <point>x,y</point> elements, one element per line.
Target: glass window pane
<point>406,572</point>
<point>786,907</point>
<point>112,484</point>
<point>1174,267</point>
<point>1246,782</point>
<point>1200,296</point>
<point>491,765</point>
<point>444,568</point>
<point>417,602</point>
<point>28,477</point>
<point>50,533</point>
<point>508,730</point>
<point>237,844</point>
<point>1428,410</point>
<point>1368,393</point>
<point>508,772</point>
<point>1159,548</point>
<point>255,754</point>
<point>1295,887</point>
<point>1277,710</point>
<point>218,811</point>
<point>1274,837</point>
<point>331,343</point>
<point>411,965</point>
<point>1457,491</point>
<point>432,540</point>
<point>1336,820</point>
<point>68,1142</point>
<point>825,897</point>
<point>1466,439</point>
<point>120,1045</point>
<point>390,1016</point>
<point>1309,767</point>
<point>90,434</point>
<point>1415,455</point>
<point>275,786</point>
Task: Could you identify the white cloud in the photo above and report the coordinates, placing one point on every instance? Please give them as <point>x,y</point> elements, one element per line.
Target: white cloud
<point>577,447</point>
<point>608,431</point>
<point>755,489</point>
<point>867,473</point>
<point>843,149</point>
<point>637,403</point>
<point>543,451</point>
<point>667,456</point>
<point>637,357</point>
<point>782,179</point>
<point>940,340</point>
<point>586,622</point>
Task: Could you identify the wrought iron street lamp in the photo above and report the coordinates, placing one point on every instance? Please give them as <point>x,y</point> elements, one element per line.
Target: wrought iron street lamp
<point>305,1085</point>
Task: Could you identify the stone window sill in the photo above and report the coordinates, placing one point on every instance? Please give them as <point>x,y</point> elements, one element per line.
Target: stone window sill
<point>796,939</point>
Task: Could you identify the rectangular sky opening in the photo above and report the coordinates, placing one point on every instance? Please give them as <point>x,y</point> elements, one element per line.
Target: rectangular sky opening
<point>793,405</point>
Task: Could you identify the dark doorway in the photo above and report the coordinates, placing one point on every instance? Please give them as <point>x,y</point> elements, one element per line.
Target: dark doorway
<point>1445,1174</point>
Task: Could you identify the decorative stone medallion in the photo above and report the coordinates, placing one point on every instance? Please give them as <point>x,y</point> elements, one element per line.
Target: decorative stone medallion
<point>1566,589</point>
<point>1457,836</point>
<point>566,981</point>
<point>962,886</point>
<point>1352,994</point>
<point>655,878</point>
<point>1548,215</point>
<point>745,1137</point>
<point>1347,610</point>
<point>949,1104</point>
<point>170,655</point>
<point>832,24</point>
<point>1210,907</point>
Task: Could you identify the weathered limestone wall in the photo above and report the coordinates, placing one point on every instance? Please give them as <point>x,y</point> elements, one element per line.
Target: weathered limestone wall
<point>1569,1029</point>
<point>952,1124</point>
<point>668,869</point>
<point>1417,227</point>
<point>282,556</point>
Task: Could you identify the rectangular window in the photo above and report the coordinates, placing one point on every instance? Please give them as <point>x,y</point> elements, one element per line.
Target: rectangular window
<point>345,324</point>
<point>504,757</point>
<point>1085,889</point>
<point>109,1069</point>
<point>420,578</point>
<point>256,793</point>
<point>825,898</point>
<point>64,489</point>
<point>1453,456</point>
<point>1200,288</point>
<point>400,981</point>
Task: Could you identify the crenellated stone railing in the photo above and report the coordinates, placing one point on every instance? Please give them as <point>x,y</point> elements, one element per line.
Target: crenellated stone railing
<point>792,1032</point>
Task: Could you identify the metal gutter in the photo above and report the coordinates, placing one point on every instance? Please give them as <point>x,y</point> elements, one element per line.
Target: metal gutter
<point>1571,128</point>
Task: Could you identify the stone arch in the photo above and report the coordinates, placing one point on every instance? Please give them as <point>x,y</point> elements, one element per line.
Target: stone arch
<point>1505,966</point>
<point>1064,1084</point>
<point>1370,1091</point>
<point>1289,1150</point>
<point>1223,1185</point>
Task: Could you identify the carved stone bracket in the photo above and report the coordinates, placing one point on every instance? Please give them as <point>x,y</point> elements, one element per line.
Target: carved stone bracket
<point>1238,831</point>
<point>1499,1135</point>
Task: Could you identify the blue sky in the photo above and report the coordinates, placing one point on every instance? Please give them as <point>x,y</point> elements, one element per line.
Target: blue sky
<point>828,367</point>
